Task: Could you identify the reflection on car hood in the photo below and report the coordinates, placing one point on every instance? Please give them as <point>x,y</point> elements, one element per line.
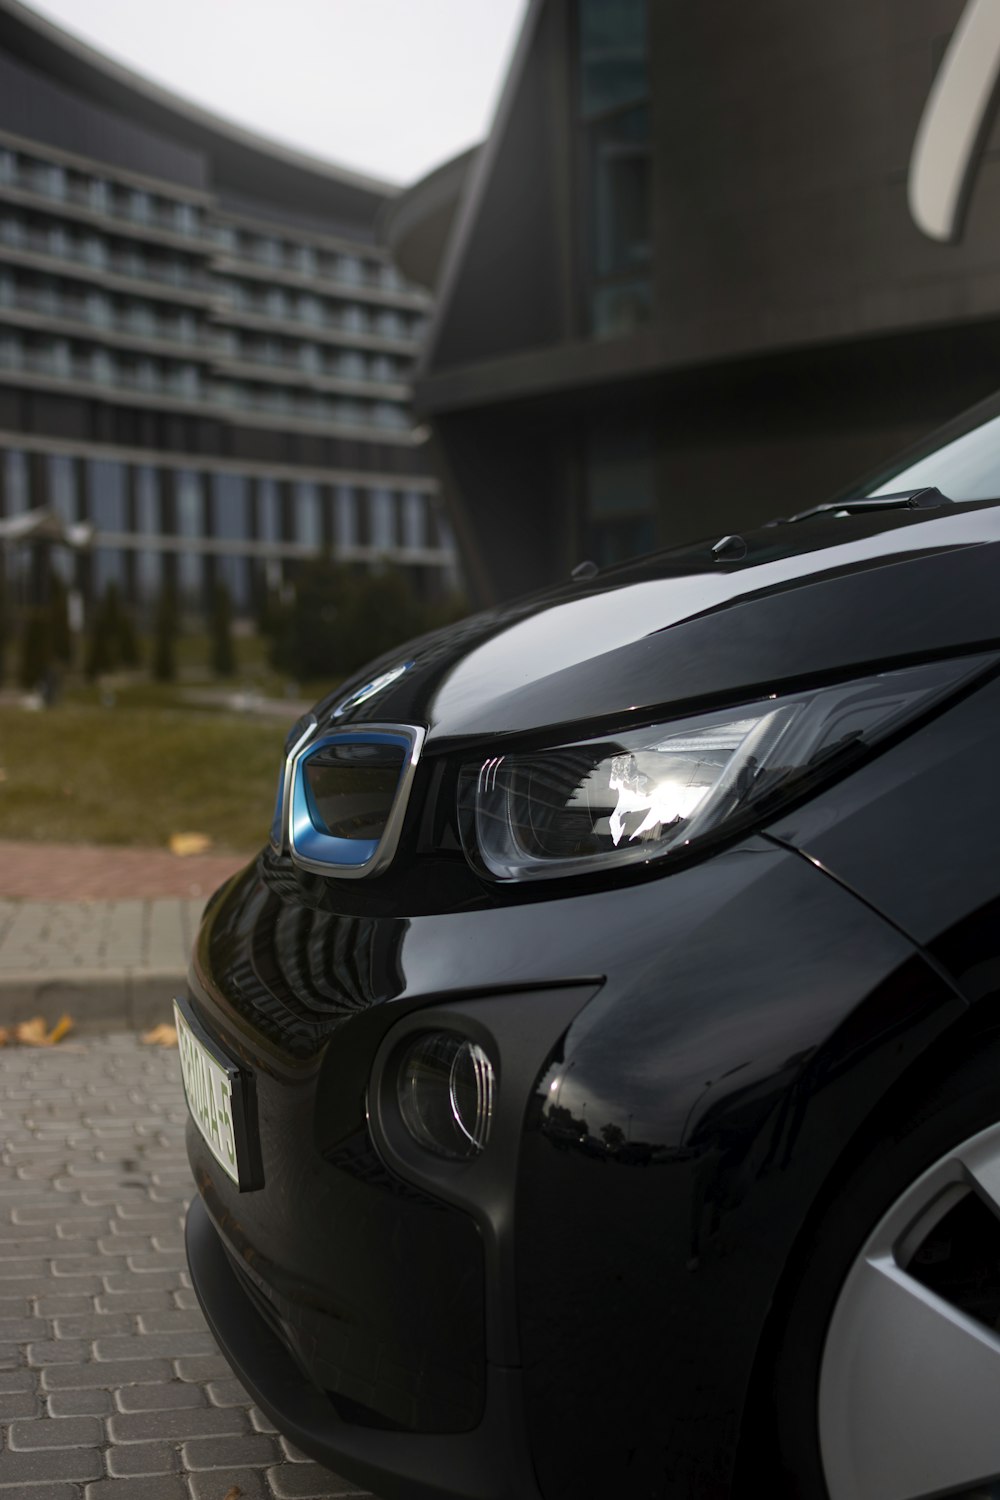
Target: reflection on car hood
<point>681,629</point>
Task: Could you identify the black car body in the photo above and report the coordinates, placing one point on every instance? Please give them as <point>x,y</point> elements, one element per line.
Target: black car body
<point>711,1065</point>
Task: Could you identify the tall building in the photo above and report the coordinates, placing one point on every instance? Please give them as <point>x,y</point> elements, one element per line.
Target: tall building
<point>712,263</point>
<point>203,350</point>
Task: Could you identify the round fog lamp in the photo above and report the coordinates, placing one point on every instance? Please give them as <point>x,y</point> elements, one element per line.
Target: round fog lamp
<point>446,1089</point>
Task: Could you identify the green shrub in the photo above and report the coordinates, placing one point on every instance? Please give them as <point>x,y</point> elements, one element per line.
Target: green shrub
<point>165,638</point>
<point>37,657</point>
<point>341,617</point>
<point>223,654</point>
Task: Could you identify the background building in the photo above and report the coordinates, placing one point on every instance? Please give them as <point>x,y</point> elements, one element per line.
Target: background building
<point>203,351</point>
<point>680,289</point>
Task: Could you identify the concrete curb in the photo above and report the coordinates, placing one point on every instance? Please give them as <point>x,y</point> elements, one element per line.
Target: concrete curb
<point>96,999</point>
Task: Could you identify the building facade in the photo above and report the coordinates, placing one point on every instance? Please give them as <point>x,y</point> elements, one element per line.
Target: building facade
<point>695,276</point>
<point>203,351</point>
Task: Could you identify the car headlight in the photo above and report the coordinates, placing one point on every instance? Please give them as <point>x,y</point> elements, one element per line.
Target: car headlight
<point>628,798</point>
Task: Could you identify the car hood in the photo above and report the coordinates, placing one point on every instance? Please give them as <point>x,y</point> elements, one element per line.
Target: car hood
<point>682,630</point>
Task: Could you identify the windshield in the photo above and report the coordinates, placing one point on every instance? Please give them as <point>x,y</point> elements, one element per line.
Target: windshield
<point>966,469</point>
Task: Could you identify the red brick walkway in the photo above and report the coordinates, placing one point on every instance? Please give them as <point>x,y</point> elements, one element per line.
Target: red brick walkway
<point>82,872</point>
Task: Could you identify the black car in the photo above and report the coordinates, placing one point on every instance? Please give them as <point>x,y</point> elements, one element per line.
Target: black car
<point>595,1082</point>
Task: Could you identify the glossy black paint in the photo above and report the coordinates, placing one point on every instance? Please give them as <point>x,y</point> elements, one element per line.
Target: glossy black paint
<point>688,1057</point>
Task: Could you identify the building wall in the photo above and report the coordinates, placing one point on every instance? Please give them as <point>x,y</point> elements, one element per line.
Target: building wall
<point>683,289</point>
<point>219,383</point>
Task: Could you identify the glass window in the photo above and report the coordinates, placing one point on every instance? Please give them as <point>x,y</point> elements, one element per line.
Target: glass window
<point>269,510</point>
<point>354,318</point>
<point>620,495</point>
<point>149,573</point>
<point>16,488</point>
<point>382,517</point>
<point>345,516</point>
<point>350,364</point>
<point>103,367</point>
<point>414,519</point>
<point>11,350</point>
<point>99,195</point>
<point>107,567</point>
<point>8,166</point>
<point>8,289</point>
<point>186,219</point>
<point>310,310</point>
<point>234,574</point>
<point>94,250</point>
<point>348,268</point>
<point>105,483</point>
<point>139,206</point>
<point>615,157</point>
<point>308,522</point>
<point>147,501</point>
<point>230,507</point>
<point>612,53</point>
<point>304,259</point>
<point>190,523</point>
<point>61,475</point>
<point>97,308</point>
<point>389,323</point>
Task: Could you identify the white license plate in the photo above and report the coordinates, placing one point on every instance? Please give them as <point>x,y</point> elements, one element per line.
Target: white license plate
<point>208,1085</point>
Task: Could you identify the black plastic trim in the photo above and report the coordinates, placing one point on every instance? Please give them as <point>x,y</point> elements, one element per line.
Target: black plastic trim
<point>491,1462</point>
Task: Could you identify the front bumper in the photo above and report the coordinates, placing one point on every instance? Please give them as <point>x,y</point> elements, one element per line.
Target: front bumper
<point>681,1063</point>
<point>489,1463</point>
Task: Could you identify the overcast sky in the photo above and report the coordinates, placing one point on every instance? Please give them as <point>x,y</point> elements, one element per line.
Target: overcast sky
<point>390,87</point>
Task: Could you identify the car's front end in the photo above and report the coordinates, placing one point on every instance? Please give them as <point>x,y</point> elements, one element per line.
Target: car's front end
<point>522,1054</point>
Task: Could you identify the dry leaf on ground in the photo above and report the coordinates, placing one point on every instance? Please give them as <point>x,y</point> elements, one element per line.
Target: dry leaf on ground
<point>35,1033</point>
<point>161,1036</point>
<point>233,1493</point>
<point>4,1036</point>
<point>184,844</point>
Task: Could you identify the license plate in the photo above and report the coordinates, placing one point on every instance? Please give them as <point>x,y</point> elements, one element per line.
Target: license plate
<point>218,1094</point>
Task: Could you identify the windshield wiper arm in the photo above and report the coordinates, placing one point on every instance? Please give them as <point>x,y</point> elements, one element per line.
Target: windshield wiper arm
<point>926,498</point>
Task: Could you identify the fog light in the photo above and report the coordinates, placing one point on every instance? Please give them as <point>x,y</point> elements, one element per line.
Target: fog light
<point>446,1089</point>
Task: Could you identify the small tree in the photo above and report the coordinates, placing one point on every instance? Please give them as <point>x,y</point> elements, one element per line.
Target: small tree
<point>165,638</point>
<point>223,655</point>
<point>37,657</point>
<point>62,640</point>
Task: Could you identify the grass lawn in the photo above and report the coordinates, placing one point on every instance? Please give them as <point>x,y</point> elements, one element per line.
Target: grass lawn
<point>131,762</point>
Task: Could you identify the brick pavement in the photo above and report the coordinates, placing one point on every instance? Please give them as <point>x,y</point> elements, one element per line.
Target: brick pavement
<point>99,933</point>
<point>111,1387</point>
<point>85,872</point>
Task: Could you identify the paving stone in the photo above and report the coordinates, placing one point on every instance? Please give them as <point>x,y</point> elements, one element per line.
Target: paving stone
<point>75,1465</point>
<point>160,1487</point>
<point>155,1345</point>
<point>216,1485</point>
<point>63,1432</point>
<point>87,1403</point>
<point>142,1427</point>
<point>203,1367</point>
<point>223,1453</point>
<point>228,1392</point>
<point>187,1321</point>
<point>109,1374</point>
<point>160,1397</point>
<point>20,1404</point>
<point>134,1460</point>
<point>260,1421</point>
<point>18,1382</point>
<point>308,1482</point>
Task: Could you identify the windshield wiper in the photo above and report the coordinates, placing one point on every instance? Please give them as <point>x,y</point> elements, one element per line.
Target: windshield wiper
<point>926,498</point>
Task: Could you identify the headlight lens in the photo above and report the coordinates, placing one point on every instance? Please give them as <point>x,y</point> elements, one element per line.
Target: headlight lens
<point>629,798</point>
<point>446,1090</point>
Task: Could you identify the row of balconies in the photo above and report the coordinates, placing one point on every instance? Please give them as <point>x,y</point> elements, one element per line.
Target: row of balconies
<point>135,321</point>
<point>66,362</point>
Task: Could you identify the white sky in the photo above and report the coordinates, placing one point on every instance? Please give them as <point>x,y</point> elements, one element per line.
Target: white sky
<point>390,87</point>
